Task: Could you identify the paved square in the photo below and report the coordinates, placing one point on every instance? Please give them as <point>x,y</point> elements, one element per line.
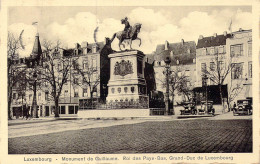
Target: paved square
<point>177,136</point>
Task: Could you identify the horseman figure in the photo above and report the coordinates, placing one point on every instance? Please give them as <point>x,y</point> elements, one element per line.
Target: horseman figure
<point>129,33</point>
<point>127,26</point>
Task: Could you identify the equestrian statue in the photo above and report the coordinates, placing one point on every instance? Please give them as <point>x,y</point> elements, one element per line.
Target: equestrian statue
<point>128,34</point>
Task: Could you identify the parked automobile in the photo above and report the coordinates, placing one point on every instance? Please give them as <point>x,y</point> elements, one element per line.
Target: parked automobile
<point>207,107</point>
<point>244,106</point>
<point>189,109</point>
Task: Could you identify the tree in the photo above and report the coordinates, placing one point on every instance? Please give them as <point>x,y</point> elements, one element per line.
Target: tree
<point>218,71</point>
<point>178,83</point>
<point>55,70</point>
<point>14,71</point>
<point>90,78</point>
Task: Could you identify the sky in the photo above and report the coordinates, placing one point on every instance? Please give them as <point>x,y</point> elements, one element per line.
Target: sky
<point>73,25</point>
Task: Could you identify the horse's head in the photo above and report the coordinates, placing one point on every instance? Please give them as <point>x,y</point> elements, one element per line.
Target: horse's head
<point>137,27</point>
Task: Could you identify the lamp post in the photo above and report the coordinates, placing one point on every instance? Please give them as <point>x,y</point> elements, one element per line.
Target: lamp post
<point>34,103</point>
<point>167,100</point>
<point>205,78</point>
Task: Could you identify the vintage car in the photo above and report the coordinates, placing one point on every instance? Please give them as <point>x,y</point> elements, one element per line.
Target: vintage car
<point>207,108</point>
<point>244,106</point>
<point>189,109</point>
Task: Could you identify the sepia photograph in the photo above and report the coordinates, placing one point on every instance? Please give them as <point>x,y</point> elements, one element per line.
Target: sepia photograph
<point>130,80</point>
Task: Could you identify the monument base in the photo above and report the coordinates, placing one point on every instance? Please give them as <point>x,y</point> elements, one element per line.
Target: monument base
<point>127,86</point>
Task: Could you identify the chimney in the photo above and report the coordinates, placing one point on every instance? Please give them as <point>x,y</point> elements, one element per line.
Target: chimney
<point>240,29</point>
<point>182,41</point>
<point>171,55</point>
<point>84,44</point>
<point>225,33</point>
<point>77,45</point>
<point>201,37</point>
<point>215,34</point>
<point>166,46</point>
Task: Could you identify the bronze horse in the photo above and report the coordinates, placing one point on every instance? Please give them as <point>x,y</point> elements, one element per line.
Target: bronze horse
<point>121,35</point>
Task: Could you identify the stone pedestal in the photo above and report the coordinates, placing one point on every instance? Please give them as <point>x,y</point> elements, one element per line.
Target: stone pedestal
<point>127,86</point>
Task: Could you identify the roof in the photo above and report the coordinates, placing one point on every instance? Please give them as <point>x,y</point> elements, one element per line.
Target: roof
<point>184,52</point>
<point>212,41</point>
<point>99,45</point>
<point>37,50</point>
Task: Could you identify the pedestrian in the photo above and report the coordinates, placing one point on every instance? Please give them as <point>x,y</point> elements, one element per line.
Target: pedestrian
<point>27,112</point>
<point>234,106</point>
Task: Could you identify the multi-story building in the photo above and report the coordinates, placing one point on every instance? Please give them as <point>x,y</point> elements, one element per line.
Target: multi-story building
<point>212,67</point>
<point>90,59</point>
<point>182,55</point>
<point>224,60</point>
<point>239,50</point>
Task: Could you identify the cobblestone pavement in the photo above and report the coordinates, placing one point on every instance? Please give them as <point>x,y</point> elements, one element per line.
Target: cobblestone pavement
<point>172,136</point>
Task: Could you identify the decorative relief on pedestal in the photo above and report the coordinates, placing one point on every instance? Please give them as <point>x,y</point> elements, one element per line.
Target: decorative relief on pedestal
<point>123,68</point>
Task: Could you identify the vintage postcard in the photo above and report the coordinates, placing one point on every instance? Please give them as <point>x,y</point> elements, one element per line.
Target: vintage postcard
<point>129,82</point>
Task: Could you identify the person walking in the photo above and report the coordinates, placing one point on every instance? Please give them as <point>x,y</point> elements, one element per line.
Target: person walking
<point>234,106</point>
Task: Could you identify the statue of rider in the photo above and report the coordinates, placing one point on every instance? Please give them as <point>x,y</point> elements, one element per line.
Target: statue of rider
<point>127,26</point>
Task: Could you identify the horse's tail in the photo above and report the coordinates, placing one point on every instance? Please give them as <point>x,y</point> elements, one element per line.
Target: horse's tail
<point>113,37</point>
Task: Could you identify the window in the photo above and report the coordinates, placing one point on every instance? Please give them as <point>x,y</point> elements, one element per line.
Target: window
<point>236,50</point>
<point>212,51</point>
<point>204,51</point>
<point>85,64</point>
<point>250,49</point>
<point>94,63</point>
<point>85,92</point>
<point>212,66</point>
<point>66,93</point>
<point>203,67</point>
<point>62,109</point>
<point>221,65</point>
<point>39,96</point>
<point>250,69</point>
<point>46,95</point>
<point>76,93</point>
<point>76,81</point>
<point>14,95</point>
<point>237,70</point>
<point>71,109</point>
<point>221,50</point>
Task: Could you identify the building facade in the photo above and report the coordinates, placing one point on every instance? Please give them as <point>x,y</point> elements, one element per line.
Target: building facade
<point>86,79</point>
<point>183,56</point>
<point>239,50</point>
<point>224,60</point>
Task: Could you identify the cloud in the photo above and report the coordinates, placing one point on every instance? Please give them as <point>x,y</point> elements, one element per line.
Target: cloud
<point>202,23</point>
<point>156,27</point>
<point>28,36</point>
